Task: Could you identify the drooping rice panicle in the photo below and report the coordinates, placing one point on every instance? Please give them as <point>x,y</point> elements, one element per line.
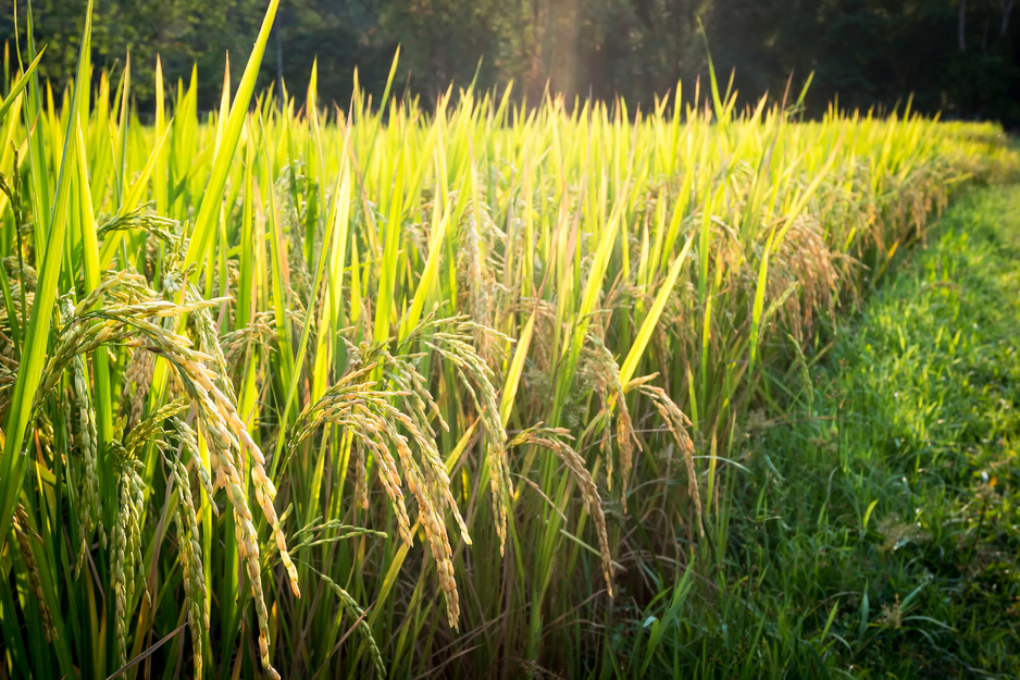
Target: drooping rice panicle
<point>21,528</point>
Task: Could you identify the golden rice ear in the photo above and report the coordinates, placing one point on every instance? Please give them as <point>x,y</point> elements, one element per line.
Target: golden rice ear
<point>481,273</point>
<point>677,423</point>
<point>374,421</point>
<point>474,371</point>
<point>205,389</point>
<point>137,379</point>
<point>598,362</point>
<point>553,440</point>
<point>126,542</point>
<point>213,394</point>
<point>355,405</point>
<point>361,478</point>
<point>85,470</point>
<point>188,442</point>
<point>20,529</point>
<point>151,427</point>
<point>434,526</point>
<point>804,278</point>
<point>189,555</point>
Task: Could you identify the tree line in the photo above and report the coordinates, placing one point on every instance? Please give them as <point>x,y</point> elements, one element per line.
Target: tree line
<point>953,56</point>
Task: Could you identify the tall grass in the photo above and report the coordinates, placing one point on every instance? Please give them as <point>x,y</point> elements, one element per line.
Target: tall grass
<point>234,348</point>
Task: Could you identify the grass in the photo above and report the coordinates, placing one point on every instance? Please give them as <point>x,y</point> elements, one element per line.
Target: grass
<point>377,390</point>
<point>873,529</point>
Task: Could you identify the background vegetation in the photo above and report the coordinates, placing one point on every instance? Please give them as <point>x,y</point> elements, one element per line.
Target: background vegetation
<point>866,52</point>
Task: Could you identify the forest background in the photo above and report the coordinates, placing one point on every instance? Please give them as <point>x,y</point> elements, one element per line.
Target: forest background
<point>959,57</point>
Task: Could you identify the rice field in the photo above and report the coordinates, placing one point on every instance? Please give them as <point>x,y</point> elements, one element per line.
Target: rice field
<point>292,389</point>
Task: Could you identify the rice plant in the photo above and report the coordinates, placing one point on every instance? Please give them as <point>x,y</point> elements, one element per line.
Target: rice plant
<point>461,378</point>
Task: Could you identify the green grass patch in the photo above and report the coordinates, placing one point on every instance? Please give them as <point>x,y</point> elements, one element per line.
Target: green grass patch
<point>875,532</point>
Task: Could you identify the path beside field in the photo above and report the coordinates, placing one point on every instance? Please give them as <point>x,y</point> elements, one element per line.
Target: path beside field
<point>900,498</point>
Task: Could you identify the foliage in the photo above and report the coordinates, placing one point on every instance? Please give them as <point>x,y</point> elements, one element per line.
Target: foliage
<point>864,53</point>
<point>185,33</point>
<point>875,53</point>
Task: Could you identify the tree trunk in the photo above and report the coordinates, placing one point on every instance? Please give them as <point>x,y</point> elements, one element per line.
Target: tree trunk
<point>963,25</point>
<point>1007,9</point>
<point>984,35</point>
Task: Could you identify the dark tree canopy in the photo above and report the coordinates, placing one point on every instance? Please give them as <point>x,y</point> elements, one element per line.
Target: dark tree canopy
<point>954,56</point>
